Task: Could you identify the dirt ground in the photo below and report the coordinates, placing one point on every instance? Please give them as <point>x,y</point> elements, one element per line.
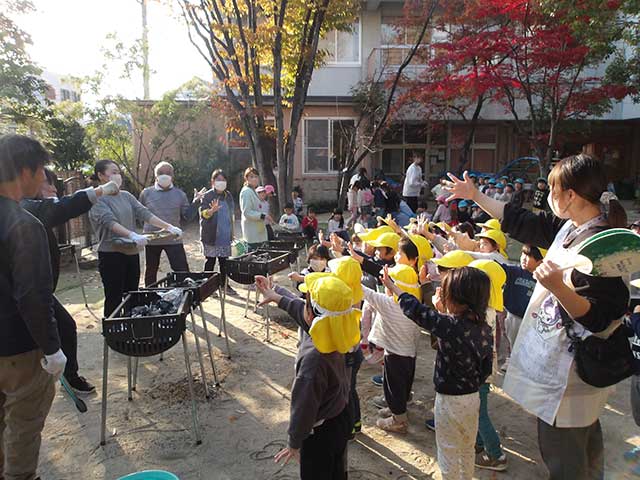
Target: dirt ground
<point>245,423</point>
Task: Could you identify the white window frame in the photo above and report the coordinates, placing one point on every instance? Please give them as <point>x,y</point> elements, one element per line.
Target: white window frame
<point>329,120</point>
<point>336,63</point>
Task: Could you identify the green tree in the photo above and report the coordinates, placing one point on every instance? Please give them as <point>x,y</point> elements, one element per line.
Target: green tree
<point>67,138</point>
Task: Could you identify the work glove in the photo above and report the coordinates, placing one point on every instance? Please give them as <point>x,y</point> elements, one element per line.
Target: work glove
<point>54,364</point>
<point>110,188</point>
<point>175,231</point>
<point>140,240</point>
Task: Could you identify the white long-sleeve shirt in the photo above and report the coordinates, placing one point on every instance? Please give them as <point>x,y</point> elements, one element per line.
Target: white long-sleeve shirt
<point>290,222</point>
<point>412,181</point>
<point>391,330</point>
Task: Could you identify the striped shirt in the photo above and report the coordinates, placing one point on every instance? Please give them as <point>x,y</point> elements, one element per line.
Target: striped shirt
<point>391,330</point>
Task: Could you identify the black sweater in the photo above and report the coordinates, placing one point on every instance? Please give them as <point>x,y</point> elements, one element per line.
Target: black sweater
<point>465,347</point>
<point>26,285</point>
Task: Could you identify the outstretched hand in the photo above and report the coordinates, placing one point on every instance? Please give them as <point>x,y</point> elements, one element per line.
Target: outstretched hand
<point>460,188</point>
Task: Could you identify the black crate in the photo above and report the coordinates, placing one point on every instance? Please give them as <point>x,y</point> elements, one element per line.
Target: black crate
<point>291,236</point>
<point>207,284</point>
<point>243,270</point>
<point>144,336</point>
<point>291,246</point>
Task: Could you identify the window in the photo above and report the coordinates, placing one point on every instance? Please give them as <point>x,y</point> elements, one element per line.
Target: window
<point>65,94</point>
<point>326,144</point>
<point>342,47</point>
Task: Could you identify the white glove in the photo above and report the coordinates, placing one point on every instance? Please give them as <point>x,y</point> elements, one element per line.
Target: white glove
<point>110,188</point>
<point>175,231</point>
<point>54,364</point>
<point>140,240</point>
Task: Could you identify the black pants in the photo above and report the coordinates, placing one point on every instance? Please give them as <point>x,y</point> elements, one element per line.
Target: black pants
<point>354,360</point>
<point>120,273</point>
<point>270,234</point>
<point>322,456</point>
<point>309,232</point>
<point>176,255</point>
<point>210,264</point>
<point>397,381</point>
<point>68,338</point>
<point>572,453</point>
<point>412,202</point>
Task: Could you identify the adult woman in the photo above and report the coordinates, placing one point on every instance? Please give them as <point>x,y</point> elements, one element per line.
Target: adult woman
<point>253,221</point>
<point>542,375</point>
<point>113,218</point>
<point>216,224</point>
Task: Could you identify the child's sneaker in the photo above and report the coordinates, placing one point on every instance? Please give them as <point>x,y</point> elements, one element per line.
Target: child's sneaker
<point>394,423</point>
<point>379,401</point>
<point>377,380</point>
<point>384,412</point>
<point>430,423</point>
<point>632,455</point>
<point>357,426</point>
<point>483,460</point>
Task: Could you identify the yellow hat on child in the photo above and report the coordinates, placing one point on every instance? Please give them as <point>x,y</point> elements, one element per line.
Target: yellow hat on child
<point>374,233</point>
<point>444,226</point>
<point>491,224</point>
<point>425,252</point>
<point>350,272</point>
<point>454,259</point>
<point>498,237</point>
<point>336,326</point>
<point>388,239</point>
<point>406,278</point>
<point>498,278</point>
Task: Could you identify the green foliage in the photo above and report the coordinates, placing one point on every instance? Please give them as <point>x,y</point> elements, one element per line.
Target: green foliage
<point>67,138</point>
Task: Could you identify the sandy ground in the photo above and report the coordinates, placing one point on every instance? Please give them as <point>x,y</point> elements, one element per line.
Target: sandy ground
<point>245,423</point>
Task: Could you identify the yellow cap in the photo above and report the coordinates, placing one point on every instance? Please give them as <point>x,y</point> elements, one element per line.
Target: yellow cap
<point>454,259</point>
<point>388,239</point>
<point>406,279</point>
<point>444,226</point>
<point>374,233</point>
<point>350,272</point>
<point>425,252</point>
<point>491,224</point>
<point>635,283</point>
<point>498,237</point>
<point>337,324</point>
<point>543,252</point>
<point>498,278</point>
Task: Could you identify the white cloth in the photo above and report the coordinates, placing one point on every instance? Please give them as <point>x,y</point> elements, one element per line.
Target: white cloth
<point>334,226</point>
<point>412,181</point>
<point>512,326</point>
<point>391,330</point>
<point>456,419</point>
<point>541,376</point>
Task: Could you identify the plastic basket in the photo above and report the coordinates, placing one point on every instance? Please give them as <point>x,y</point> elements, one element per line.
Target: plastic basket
<point>279,245</point>
<point>144,336</point>
<point>242,270</point>
<point>150,475</point>
<point>207,284</point>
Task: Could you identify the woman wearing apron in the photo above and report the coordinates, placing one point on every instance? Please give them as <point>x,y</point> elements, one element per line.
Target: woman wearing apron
<point>542,375</point>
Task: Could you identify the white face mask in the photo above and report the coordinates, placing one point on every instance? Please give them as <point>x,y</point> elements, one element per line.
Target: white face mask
<point>220,185</point>
<point>554,208</point>
<point>117,179</point>
<point>164,181</point>
<point>317,265</point>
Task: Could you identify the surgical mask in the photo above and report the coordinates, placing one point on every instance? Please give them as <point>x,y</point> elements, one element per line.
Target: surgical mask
<point>164,181</point>
<point>117,179</point>
<point>554,208</point>
<point>220,185</point>
<point>318,265</point>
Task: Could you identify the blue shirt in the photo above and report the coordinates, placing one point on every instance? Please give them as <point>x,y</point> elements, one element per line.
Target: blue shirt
<point>518,289</point>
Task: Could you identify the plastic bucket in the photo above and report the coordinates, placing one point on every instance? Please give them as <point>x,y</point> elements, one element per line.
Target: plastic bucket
<point>150,475</point>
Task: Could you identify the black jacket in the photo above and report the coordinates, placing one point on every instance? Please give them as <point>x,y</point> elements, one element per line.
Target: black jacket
<point>26,284</point>
<point>54,212</point>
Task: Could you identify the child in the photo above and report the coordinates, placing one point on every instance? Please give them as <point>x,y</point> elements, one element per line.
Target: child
<point>298,203</point>
<point>320,424</point>
<point>633,324</point>
<point>508,192</point>
<point>317,258</point>
<point>442,213</point>
<point>517,199</point>
<point>490,456</point>
<point>500,194</point>
<point>463,211</point>
<point>353,204</point>
<point>263,208</point>
<point>492,246</point>
<point>399,337</point>
<point>463,361</point>
<point>288,220</point>
<point>310,224</point>
<point>540,196</point>
<point>518,289</point>
<point>336,225</point>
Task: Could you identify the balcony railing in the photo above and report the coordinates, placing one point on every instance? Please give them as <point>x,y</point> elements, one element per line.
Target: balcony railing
<point>383,62</point>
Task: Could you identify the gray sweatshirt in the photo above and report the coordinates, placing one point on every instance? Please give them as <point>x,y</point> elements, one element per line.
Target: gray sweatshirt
<point>171,205</point>
<point>124,209</point>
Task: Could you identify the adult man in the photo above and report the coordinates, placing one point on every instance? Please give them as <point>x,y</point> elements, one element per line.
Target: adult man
<point>413,182</point>
<point>27,327</point>
<point>170,204</point>
<point>53,212</point>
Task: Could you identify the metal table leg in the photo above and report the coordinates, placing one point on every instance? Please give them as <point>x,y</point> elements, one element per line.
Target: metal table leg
<point>135,374</point>
<point>223,319</point>
<point>199,353</point>
<point>105,372</point>
<point>206,336</point>
<point>194,408</point>
<point>84,293</point>
<point>129,395</point>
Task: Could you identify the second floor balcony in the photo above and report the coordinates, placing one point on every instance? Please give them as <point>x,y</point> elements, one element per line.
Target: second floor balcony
<point>383,62</point>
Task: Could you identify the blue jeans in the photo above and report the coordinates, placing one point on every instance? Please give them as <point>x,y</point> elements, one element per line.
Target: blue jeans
<point>487,436</point>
